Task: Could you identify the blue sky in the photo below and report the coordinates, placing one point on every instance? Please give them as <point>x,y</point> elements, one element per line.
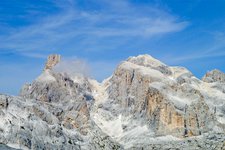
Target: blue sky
<point>103,33</point>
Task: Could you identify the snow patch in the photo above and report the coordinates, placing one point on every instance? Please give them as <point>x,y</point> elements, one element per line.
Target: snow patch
<point>112,127</point>
<point>178,101</point>
<point>143,70</point>
<point>221,120</point>
<point>99,91</point>
<point>178,71</point>
<point>78,79</point>
<point>146,60</point>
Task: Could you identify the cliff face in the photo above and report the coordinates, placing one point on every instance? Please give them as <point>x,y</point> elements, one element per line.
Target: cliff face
<point>168,102</point>
<point>145,104</point>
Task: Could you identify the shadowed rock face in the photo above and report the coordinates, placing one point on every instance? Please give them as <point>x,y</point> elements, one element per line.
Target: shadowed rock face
<point>145,104</point>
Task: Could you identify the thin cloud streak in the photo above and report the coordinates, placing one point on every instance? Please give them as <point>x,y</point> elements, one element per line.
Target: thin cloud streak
<point>193,56</point>
<point>196,56</point>
<point>34,55</point>
<point>214,50</point>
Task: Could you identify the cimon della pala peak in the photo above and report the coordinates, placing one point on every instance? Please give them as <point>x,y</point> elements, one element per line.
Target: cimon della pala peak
<point>145,104</point>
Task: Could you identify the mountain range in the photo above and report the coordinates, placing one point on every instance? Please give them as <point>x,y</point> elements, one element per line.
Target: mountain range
<point>145,104</point>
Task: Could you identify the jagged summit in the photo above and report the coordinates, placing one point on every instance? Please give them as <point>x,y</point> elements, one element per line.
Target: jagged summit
<point>214,76</point>
<point>145,60</point>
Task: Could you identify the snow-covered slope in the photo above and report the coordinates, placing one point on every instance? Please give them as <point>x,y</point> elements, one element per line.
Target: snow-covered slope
<point>145,104</point>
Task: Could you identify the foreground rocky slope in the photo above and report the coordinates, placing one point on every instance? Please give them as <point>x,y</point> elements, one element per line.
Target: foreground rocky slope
<point>145,104</point>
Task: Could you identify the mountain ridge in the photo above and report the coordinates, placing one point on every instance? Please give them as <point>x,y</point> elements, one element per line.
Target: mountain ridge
<point>144,104</point>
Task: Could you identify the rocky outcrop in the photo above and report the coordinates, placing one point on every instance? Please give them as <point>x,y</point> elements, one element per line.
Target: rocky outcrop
<point>214,76</point>
<point>209,142</point>
<point>52,61</point>
<point>192,120</point>
<point>31,124</point>
<point>65,99</point>
<point>4,103</point>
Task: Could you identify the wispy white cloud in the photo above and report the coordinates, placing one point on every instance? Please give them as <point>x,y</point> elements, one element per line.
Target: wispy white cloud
<point>195,56</point>
<point>215,49</point>
<point>34,55</point>
<point>112,19</point>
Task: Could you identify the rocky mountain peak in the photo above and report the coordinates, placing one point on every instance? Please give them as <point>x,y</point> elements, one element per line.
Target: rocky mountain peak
<point>52,61</point>
<point>214,76</point>
<point>145,104</point>
<point>146,61</point>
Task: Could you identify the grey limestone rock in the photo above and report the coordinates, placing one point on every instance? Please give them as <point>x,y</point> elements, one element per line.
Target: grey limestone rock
<point>214,76</point>
<point>145,104</point>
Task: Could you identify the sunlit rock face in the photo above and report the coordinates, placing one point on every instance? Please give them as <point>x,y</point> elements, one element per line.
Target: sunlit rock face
<point>53,60</point>
<point>148,88</point>
<point>52,113</point>
<point>145,104</point>
<point>68,99</point>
